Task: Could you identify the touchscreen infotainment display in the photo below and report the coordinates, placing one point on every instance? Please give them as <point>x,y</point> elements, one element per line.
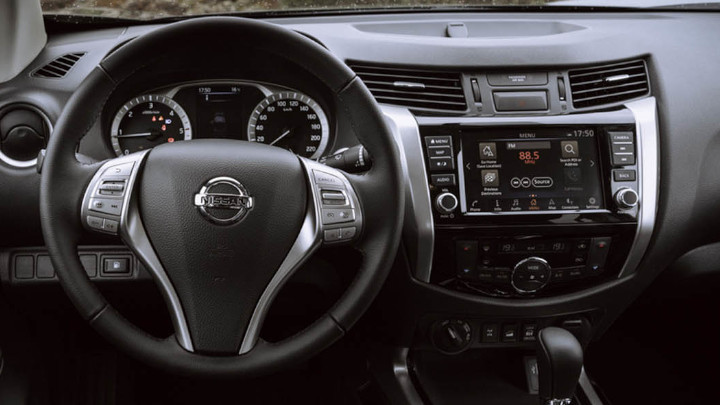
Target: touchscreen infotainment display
<point>526,170</point>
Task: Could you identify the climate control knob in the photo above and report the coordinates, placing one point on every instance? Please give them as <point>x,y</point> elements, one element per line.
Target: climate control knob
<point>626,198</point>
<point>530,275</point>
<point>446,203</point>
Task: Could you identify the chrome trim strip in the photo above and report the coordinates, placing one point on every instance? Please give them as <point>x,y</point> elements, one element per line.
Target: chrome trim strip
<point>132,231</point>
<point>308,241</point>
<point>402,376</point>
<point>648,164</point>
<point>418,227</point>
<point>588,389</point>
<point>598,118</point>
<point>22,164</point>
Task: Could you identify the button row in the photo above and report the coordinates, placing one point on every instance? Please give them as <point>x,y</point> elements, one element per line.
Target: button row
<point>339,234</point>
<point>102,224</point>
<point>439,150</point>
<point>622,145</point>
<point>511,332</point>
<point>30,267</point>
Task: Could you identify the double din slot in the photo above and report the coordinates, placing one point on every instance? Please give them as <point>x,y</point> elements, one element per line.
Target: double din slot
<point>527,170</point>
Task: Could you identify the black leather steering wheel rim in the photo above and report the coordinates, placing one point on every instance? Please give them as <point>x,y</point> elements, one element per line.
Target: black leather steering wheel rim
<point>64,180</point>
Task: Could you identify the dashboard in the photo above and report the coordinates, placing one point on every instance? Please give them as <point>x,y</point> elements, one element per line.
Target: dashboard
<point>530,200</point>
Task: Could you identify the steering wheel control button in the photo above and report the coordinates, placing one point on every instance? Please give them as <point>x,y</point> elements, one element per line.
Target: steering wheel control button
<point>327,179</point>
<point>332,235</point>
<point>530,275</point>
<point>337,216</point>
<point>110,226</point>
<point>116,265</point>
<point>95,222</point>
<point>112,188</point>
<point>106,206</point>
<point>124,169</point>
<point>348,233</point>
<point>333,197</point>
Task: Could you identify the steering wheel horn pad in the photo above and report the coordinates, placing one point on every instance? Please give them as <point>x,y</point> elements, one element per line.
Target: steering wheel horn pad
<point>219,278</point>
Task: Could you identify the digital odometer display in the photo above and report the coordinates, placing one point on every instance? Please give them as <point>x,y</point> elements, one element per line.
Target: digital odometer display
<point>518,170</point>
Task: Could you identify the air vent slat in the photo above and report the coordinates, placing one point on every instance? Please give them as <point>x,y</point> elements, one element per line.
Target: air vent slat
<point>607,84</point>
<point>636,83</point>
<point>59,67</point>
<point>414,88</point>
<point>379,92</point>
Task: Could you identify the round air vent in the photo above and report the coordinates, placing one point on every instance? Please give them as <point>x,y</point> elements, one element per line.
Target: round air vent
<point>24,131</point>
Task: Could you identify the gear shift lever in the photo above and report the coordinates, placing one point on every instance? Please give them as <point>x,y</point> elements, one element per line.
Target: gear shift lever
<point>560,361</point>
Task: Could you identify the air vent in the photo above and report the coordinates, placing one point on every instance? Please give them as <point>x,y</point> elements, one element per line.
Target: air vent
<point>59,67</point>
<point>417,89</point>
<point>608,84</point>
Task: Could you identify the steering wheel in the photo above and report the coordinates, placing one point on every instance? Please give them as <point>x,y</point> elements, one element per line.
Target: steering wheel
<point>221,224</point>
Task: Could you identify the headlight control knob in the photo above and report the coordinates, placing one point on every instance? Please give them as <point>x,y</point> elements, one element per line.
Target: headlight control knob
<point>446,203</point>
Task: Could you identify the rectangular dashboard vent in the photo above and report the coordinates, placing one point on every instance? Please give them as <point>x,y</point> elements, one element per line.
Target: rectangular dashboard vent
<point>608,84</point>
<point>59,67</point>
<point>414,88</point>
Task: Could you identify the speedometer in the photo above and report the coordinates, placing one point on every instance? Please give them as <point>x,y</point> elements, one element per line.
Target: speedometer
<point>147,121</point>
<point>292,121</point>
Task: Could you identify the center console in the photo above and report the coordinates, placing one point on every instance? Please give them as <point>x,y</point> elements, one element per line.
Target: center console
<point>531,207</point>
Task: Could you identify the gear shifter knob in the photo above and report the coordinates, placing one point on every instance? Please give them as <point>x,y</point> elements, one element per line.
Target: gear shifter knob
<point>560,361</point>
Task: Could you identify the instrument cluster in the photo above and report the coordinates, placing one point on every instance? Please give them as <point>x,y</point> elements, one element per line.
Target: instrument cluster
<point>249,111</point>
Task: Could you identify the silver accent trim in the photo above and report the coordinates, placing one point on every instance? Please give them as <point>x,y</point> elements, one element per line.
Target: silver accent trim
<point>402,376</point>
<point>587,387</point>
<point>418,226</point>
<point>408,85</point>
<point>523,261</point>
<point>309,239</point>
<point>648,166</point>
<point>132,232</point>
<point>244,201</point>
<point>22,164</point>
<point>438,201</point>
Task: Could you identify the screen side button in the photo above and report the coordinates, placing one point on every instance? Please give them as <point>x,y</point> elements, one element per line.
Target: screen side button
<point>624,175</point>
<point>442,180</point>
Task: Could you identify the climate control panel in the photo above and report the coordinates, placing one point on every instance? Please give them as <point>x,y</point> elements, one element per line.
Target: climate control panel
<point>522,267</point>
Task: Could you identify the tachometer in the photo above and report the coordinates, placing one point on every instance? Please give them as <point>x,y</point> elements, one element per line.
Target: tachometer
<point>147,121</point>
<point>292,121</point>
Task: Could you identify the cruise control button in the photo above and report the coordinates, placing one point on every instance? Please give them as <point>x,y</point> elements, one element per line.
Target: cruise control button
<point>110,226</point>
<point>348,233</point>
<point>94,222</point>
<point>107,206</point>
<point>326,178</point>
<point>336,216</point>
<point>331,235</point>
<point>119,170</point>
